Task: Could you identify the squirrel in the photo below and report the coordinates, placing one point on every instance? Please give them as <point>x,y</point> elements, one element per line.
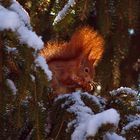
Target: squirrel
<point>73,63</point>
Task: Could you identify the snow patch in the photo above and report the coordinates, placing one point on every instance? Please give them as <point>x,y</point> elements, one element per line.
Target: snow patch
<point>11,20</point>
<point>8,19</point>
<point>11,50</point>
<point>130,125</point>
<point>24,16</point>
<point>126,90</point>
<point>41,62</point>
<point>17,19</point>
<point>86,123</point>
<point>63,12</point>
<point>32,77</point>
<point>12,86</point>
<point>30,38</point>
<point>96,121</point>
<point>113,136</point>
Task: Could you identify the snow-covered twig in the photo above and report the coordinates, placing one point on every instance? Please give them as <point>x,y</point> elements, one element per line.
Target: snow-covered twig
<point>63,12</point>
<point>12,86</point>
<point>133,124</point>
<point>23,15</point>
<point>40,61</point>
<point>125,90</point>
<point>113,136</point>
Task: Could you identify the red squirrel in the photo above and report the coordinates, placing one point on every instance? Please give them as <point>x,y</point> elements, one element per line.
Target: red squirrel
<point>73,63</point>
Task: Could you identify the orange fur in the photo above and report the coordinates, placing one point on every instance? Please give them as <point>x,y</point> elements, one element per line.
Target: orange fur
<point>73,62</point>
<point>90,41</point>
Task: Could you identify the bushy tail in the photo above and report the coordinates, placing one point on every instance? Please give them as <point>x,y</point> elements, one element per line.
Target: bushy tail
<point>85,41</point>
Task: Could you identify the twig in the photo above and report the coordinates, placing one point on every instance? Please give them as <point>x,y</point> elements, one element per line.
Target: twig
<point>59,130</point>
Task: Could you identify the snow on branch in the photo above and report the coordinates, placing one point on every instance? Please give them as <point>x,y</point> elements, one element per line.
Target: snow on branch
<point>113,136</point>
<point>12,86</point>
<point>23,15</point>
<point>109,116</point>
<point>11,20</point>
<point>15,18</point>
<point>41,62</point>
<point>133,124</point>
<point>125,90</point>
<point>11,50</point>
<point>87,123</point>
<point>30,38</point>
<point>8,19</point>
<point>93,98</point>
<point>63,12</point>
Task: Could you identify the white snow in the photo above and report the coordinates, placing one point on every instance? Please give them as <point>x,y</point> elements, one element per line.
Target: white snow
<point>17,19</point>
<point>32,77</point>
<point>30,38</point>
<point>110,116</point>
<point>11,20</point>
<point>86,122</point>
<point>130,125</point>
<point>82,113</point>
<point>90,124</point>
<point>23,15</point>
<point>8,19</point>
<point>131,118</point>
<point>12,86</point>
<point>11,50</point>
<point>41,62</point>
<point>63,12</point>
<point>113,136</point>
<point>126,90</point>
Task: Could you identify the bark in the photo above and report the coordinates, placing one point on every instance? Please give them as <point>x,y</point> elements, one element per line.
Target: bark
<point>1,57</point>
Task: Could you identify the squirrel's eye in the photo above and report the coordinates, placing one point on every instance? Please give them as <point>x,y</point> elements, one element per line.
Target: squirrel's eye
<point>86,70</point>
